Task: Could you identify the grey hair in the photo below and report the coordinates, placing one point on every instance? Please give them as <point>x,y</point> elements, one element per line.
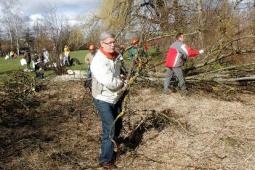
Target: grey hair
<point>105,35</point>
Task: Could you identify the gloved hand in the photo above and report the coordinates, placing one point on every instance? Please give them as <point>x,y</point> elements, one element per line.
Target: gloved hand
<point>201,51</point>
<point>125,84</point>
<point>123,77</point>
<point>123,88</point>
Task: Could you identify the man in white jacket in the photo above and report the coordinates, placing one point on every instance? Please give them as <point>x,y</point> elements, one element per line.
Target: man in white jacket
<point>107,91</point>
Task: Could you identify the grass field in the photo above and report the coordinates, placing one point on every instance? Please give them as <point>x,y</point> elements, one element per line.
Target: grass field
<point>9,66</point>
<point>80,55</point>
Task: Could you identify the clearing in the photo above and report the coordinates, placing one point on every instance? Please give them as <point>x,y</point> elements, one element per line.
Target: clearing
<point>162,131</point>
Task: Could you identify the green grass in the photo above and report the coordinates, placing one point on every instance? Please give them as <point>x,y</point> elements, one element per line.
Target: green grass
<point>80,55</point>
<point>9,66</point>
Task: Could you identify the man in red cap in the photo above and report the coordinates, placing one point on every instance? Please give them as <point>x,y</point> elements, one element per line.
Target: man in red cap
<point>88,60</point>
<point>132,52</point>
<point>90,55</point>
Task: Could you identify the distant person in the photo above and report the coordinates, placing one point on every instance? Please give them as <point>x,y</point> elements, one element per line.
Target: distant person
<point>46,56</point>
<point>12,54</point>
<point>88,60</point>
<point>39,73</point>
<point>133,50</point>
<point>133,53</point>
<point>7,57</point>
<point>27,56</point>
<point>177,54</point>
<point>107,91</point>
<point>66,56</point>
<point>38,61</point>
<point>89,57</point>
<point>33,61</point>
<point>23,61</point>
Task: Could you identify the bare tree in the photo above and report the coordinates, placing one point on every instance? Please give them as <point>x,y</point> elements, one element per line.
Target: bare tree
<point>57,28</point>
<point>52,32</point>
<point>91,29</point>
<point>13,22</point>
<point>76,38</point>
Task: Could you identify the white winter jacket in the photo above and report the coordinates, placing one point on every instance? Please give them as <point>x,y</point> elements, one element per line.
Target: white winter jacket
<point>106,82</point>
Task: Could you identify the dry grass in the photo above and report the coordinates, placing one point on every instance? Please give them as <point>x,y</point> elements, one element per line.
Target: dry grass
<point>161,131</point>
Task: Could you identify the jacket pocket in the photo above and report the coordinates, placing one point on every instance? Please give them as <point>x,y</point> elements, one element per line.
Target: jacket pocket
<point>97,87</point>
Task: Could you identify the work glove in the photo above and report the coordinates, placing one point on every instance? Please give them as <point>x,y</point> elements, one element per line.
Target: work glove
<point>125,86</point>
<point>201,51</point>
<point>123,77</point>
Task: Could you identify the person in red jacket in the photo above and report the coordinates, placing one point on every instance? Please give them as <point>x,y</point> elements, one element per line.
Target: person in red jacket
<point>176,55</point>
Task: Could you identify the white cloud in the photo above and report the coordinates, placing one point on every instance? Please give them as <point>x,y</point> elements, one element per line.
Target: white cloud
<point>35,17</point>
<point>74,6</point>
<point>71,9</point>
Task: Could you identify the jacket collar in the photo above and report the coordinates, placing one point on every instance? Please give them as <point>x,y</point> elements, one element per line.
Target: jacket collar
<point>111,56</point>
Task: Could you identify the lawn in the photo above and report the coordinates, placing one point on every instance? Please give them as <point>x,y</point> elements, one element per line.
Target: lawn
<point>9,66</point>
<point>80,55</point>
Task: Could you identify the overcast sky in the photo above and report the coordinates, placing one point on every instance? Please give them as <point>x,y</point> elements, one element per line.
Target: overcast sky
<point>71,9</point>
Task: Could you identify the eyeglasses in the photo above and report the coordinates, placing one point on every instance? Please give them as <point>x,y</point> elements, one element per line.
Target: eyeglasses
<point>109,43</point>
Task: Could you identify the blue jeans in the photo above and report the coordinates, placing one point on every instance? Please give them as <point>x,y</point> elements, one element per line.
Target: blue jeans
<point>108,112</point>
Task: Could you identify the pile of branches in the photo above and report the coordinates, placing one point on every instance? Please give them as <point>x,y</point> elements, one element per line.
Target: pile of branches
<point>214,68</point>
<point>17,97</point>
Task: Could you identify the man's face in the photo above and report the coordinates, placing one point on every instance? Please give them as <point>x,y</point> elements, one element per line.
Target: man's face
<point>181,38</point>
<point>92,51</point>
<point>108,45</point>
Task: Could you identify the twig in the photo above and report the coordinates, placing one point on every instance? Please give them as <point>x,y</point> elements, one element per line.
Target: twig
<point>178,122</point>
